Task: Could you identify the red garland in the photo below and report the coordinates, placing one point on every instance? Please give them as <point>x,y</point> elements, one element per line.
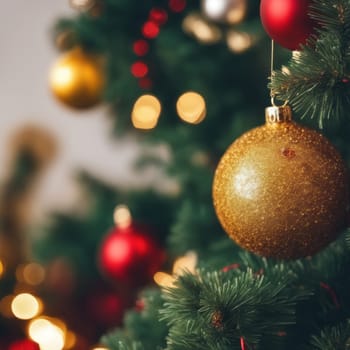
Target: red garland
<point>150,30</point>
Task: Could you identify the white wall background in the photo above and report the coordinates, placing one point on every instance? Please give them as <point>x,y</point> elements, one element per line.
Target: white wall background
<point>27,52</point>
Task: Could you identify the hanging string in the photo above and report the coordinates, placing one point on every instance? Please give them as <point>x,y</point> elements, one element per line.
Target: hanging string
<point>272,58</point>
<point>272,93</point>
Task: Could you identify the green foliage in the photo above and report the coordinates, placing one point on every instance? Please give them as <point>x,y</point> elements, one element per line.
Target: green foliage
<point>195,226</point>
<point>236,295</point>
<point>76,236</point>
<point>218,308</point>
<point>332,338</point>
<point>143,330</point>
<point>316,80</point>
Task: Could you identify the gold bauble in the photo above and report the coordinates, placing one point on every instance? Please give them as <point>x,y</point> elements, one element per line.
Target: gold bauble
<point>77,79</point>
<point>281,190</point>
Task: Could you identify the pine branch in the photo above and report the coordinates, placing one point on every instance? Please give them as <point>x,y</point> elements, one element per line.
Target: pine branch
<point>142,329</point>
<point>316,80</point>
<point>332,338</point>
<point>214,310</point>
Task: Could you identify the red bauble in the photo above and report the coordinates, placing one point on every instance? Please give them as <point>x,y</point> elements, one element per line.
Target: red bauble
<point>25,344</point>
<point>287,21</point>
<point>130,256</point>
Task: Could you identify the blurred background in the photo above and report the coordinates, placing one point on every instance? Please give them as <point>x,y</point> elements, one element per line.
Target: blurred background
<point>83,139</point>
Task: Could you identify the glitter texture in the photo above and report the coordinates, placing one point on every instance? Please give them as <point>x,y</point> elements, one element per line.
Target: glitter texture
<point>281,191</point>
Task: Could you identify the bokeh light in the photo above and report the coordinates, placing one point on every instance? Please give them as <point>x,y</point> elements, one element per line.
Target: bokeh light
<point>239,42</point>
<point>146,112</point>
<point>205,32</point>
<point>46,334</point>
<point>230,11</point>
<point>191,107</point>
<point>163,279</point>
<point>140,47</point>
<point>122,216</point>
<point>158,16</point>
<point>214,8</point>
<point>187,262</point>
<point>139,69</point>
<point>150,30</point>
<point>33,274</point>
<point>25,306</point>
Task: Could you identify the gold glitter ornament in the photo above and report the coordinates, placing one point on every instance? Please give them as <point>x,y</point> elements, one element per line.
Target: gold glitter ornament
<point>77,79</point>
<point>281,189</point>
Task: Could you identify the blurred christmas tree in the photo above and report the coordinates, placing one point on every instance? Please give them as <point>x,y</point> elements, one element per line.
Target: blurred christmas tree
<point>280,191</point>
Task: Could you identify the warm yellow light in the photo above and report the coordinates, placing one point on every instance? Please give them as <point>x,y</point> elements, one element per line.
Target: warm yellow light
<point>33,274</point>
<point>146,112</point>
<point>214,8</point>
<point>191,107</point>
<point>163,279</point>
<point>99,348</point>
<point>2,268</point>
<point>187,262</point>
<point>202,30</point>
<point>122,216</point>
<point>184,263</point>
<point>46,334</point>
<point>239,42</point>
<point>25,306</point>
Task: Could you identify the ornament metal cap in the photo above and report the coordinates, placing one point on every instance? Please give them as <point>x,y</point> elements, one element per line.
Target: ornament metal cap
<point>278,114</point>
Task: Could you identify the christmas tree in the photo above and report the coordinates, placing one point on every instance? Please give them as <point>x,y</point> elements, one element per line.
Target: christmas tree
<point>189,79</point>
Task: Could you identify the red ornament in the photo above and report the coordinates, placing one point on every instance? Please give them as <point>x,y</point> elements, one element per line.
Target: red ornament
<point>287,21</point>
<point>130,256</point>
<point>150,30</point>
<point>25,344</point>
<point>139,69</point>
